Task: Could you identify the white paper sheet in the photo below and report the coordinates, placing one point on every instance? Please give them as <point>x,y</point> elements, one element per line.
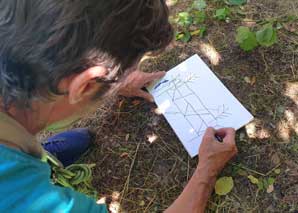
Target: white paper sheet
<point>192,98</point>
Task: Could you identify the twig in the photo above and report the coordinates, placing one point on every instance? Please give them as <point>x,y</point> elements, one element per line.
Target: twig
<point>149,204</point>
<point>126,185</point>
<point>268,173</point>
<point>256,172</point>
<point>248,169</point>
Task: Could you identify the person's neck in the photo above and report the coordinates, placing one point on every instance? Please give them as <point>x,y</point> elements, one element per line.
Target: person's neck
<point>24,118</point>
<point>33,119</point>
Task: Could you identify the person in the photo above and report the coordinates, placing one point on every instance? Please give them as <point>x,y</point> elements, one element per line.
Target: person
<point>60,60</point>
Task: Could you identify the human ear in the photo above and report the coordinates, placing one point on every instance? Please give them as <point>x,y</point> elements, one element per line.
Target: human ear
<point>82,85</point>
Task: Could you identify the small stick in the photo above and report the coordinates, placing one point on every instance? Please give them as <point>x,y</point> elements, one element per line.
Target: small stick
<point>126,185</point>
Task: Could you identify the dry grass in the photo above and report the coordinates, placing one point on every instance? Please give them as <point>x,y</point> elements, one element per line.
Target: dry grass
<point>149,176</point>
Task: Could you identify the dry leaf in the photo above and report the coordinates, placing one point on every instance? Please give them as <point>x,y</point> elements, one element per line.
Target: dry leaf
<point>124,155</point>
<point>127,137</point>
<point>270,189</point>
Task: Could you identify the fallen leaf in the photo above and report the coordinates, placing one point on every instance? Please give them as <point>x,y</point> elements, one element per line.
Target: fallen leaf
<point>151,138</point>
<point>270,189</point>
<point>247,79</point>
<point>250,80</point>
<point>275,159</point>
<point>277,171</point>
<point>142,203</point>
<point>253,80</point>
<point>242,172</point>
<point>127,137</point>
<point>224,185</point>
<point>253,179</point>
<point>124,155</point>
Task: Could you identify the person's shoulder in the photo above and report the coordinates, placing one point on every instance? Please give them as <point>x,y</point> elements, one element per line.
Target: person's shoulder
<point>26,186</point>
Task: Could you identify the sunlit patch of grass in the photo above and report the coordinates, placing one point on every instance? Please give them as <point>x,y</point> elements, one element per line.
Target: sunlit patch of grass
<point>255,130</point>
<point>210,52</point>
<point>291,91</point>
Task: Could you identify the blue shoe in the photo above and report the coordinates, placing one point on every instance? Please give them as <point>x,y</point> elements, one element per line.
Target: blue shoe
<point>69,146</point>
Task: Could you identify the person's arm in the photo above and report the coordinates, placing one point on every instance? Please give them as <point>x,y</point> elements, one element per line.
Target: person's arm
<point>213,157</point>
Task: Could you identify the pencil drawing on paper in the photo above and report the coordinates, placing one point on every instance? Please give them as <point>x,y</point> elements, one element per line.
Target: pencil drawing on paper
<point>187,102</point>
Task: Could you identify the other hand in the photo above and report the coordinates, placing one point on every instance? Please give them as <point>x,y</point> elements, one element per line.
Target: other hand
<point>132,84</point>
<point>213,155</point>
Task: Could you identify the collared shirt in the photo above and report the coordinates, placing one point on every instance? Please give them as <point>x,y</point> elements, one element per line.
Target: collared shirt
<point>25,184</point>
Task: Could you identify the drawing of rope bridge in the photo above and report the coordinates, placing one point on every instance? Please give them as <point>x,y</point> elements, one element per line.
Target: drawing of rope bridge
<point>188,104</point>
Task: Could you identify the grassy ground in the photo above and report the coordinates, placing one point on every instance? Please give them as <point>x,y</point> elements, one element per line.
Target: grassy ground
<point>146,176</point>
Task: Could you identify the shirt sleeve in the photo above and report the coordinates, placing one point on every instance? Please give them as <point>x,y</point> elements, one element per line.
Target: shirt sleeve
<point>59,199</point>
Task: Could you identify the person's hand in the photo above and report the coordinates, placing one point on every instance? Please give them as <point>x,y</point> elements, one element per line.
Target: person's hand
<point>132,84</point>
<point>213,155</point>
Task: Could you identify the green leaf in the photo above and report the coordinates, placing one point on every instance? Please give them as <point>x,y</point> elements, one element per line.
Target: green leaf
<point>237,2</point>
<point>195,33</point>
<point>253,179</point>
<point>246,39</point>
<point>183,36</point>
<point>199,17</point>
<point>271,181</point>
<point>203,31</point>
<point>222,14</point>
<point>260,185</point>
<point>224,185</point>
<point>184,19</point>
<point>277,171</point>
<point>199,4</point>
<point>199,32</point>
<point>267,36</point>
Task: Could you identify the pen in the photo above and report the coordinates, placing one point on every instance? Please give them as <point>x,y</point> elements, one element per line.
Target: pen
<point>218,138</point>
<point>165,81</point>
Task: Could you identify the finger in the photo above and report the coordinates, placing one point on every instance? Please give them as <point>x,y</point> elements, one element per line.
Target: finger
<point>147,96</point>
<point>223,132</point>
<point>149,77</point>
<point>210,133</point>
<point>228,134</point>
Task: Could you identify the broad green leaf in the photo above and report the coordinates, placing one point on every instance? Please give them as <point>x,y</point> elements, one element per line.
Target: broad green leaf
<point>183,36</point>
<point>199,4</point>
<point>199,17</point>
<point>222,14</point>
<point>253,179</point>
<point>246,39</point>
<point>224,185</point>
<point>184,19</point>
<point>199,32</point>
<point>267,36</point>
<point>237,2</point>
